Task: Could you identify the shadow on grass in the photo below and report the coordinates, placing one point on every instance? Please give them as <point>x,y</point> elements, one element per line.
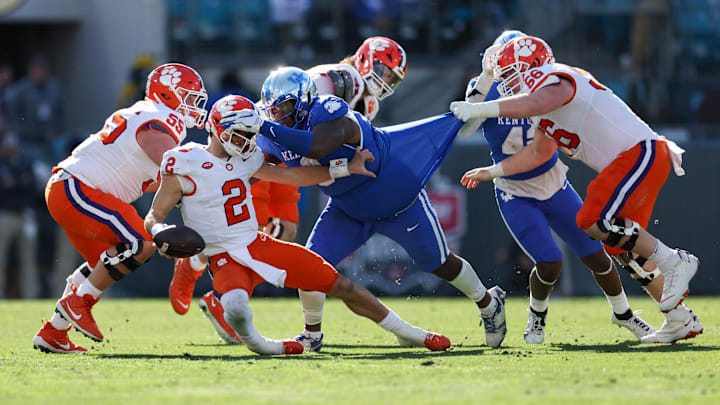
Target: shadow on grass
<point>634,347</point>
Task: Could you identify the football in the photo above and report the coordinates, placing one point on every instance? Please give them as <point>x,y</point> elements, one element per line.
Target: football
<point>179,241</point>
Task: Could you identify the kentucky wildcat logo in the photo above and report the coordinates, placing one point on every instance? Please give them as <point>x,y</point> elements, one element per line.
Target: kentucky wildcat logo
<point>332,105</point>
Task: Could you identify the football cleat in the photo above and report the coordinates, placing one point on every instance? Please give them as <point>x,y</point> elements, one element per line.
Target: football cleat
<point>535,331</point>
<point>214,311</point>
<point>634,324</point>
<point>182,285</point>
<point>495,328</point>
<point>309,343</point>
<point>680,323</point>
<point>677,280</point>
<point>436,342</point>
<point>51,340</point>
<point>77,311</point>
<point>293,347</point>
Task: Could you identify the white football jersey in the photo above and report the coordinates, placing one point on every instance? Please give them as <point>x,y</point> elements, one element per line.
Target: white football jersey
<point>218,202</point>
<point>325,85</point>
<point>595,126</point>
<point>112,161</point>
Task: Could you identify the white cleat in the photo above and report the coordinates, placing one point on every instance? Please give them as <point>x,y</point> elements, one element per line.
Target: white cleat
<point>634,324</point>
<point>677,280</point>
<point>495,328</point>
<point>535,331</point>
<point>680,323</point>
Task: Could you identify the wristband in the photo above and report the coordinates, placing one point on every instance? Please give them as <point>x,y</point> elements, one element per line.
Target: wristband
<point>339,168</point>
<point>496,170</point>
<point>157,228</point>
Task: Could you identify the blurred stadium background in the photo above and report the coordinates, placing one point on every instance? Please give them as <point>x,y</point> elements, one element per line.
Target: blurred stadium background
<point>67,64</point>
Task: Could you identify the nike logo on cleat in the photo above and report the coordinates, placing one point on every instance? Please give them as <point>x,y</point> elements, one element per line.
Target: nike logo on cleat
<point>212,302</point>
<point>186,306</point>
<point>65,346</point>
<point>410,229</point>
<point>73,314</point>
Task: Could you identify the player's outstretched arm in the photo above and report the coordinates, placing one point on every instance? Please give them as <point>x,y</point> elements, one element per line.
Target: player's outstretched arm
<point>312,175</point>
<point>169,193</point>
<point>323,139</point>
<point>527,158</point>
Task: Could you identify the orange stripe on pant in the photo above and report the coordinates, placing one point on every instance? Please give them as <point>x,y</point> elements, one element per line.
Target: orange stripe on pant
<point>305,269</point>
<point>92,236</point>
<point>606,188</point>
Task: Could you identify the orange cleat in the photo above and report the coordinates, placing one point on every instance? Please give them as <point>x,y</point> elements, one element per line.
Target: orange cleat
<point>182,285</point>
<point>214,311</point>
<point>436,342</point>
<point>77,311</point>
<point>292,347</point>
<point>51,340</point>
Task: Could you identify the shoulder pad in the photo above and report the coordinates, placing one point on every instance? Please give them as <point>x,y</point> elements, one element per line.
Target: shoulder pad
<point>342,83</point>
<point>179,159</point>
<point>327,108</point>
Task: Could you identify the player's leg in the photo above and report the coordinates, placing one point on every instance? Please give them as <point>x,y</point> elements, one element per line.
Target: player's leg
<point>235,283</point>
<point>630,185</point>
<point>418,231</point>
<point>334,237</point>
<point>307,270</point>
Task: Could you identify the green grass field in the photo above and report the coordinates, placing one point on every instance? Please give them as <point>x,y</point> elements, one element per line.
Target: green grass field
<point>151,355</point>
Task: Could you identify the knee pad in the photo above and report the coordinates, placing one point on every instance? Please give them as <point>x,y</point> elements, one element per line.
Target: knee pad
<point>634,267</point>
<point>537,274</point>
<point>617,229</point>
<point>124,255</point>
<point>236,304</point>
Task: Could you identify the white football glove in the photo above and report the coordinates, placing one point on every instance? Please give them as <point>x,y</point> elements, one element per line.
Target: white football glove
<point>243,120</point>
<point>489,60</point>
<point>467,111</point>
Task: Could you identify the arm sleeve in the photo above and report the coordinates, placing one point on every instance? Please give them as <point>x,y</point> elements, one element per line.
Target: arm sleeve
<point>296,140</point>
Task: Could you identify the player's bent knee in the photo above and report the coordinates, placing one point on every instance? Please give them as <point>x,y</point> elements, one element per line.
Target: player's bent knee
<point>343,288</point>
<point>236,304</point>
<point>622,233</point>
<point>548,273</point>
<point>130,255</point>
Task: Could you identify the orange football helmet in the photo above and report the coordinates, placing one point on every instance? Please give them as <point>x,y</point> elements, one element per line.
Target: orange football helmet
<point>180,88</point>
<point>517,57</point>
<point>382,63</point>
<point>238,112</point>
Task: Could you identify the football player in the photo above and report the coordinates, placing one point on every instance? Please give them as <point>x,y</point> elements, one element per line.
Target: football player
<point>311,130</point>
<point>532,202</point>
<point>90,192</point>
<point>213,182</point>
<point>575,113</point>
<point>371,74</point>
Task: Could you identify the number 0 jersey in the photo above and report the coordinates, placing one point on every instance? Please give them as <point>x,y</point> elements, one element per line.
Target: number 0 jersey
<point>216,202</point>
<point>595,126</point>
<point>112,161</point>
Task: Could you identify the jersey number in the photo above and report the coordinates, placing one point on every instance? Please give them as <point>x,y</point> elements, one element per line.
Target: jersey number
<point>514,141</point>
<point>230,204</point>
<point>113,128</point>
<point>561,136</point>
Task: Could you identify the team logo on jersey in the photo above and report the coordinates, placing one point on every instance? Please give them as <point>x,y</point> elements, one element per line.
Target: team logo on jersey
<point>170,76</point>
<point>221,262</point>
<point>229,167</point>
<point>332,105</point>
<point>524,47</point>
<point>207,165</point>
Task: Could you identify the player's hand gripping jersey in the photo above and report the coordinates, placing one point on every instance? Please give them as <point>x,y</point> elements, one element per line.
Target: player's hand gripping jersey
<point>112,161</point>
<point>595,126</point>
<point>342,80</point>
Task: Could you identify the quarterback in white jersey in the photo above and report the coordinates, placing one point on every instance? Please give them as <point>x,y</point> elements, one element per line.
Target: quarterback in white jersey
<point>584,119</point>
<point>213,182</point>
<point>90,192</point>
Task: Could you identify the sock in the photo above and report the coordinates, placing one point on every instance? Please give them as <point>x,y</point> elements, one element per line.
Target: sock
<point>312,334</point>
<point>619,303</point>
<point>468,282</point>
<point>197,264</point>
<point>77,277</point>
<point>489,310</point>
<point>539,305</point>
<point>406,333</point>
<point>58,322</point>
<point>88,288</point>
<point>312,303</point>
<point>662,255</point>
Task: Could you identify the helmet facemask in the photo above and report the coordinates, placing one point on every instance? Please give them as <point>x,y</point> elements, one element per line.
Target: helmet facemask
<point>382,81</point>
<point>510,78</point>
<point>192,106</point>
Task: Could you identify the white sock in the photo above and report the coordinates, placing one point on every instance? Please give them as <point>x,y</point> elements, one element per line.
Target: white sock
<point>662,255</point>
<point>312,303</point>
<point>539,305</point>
<point>490,308</point>
<point>58,322</point>
<point>197,264</point>
<point>88,288</point>
<point>76,278</point>
<point>619,303</point>
<point>468,282</point>
<point>239,316</point>
<point>408,334</point>
<point>315,335</point>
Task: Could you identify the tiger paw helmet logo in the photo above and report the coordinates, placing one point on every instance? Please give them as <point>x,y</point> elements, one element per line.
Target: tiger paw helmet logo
<point>170,76</point>
<point>226,105</point>
<point>524,47</point>
<point>379,45</point>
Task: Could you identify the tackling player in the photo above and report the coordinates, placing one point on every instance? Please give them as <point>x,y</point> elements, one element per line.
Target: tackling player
<point>532,202</point>
<point>213,182</point>
<point>90,192</point>
<point>587,121</point>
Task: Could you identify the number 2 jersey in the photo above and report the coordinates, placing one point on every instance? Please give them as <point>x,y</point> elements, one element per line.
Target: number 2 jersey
<point>595,126</point>
<point>112,161</point>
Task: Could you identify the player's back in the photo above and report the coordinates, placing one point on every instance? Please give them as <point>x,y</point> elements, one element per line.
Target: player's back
<point>112,161</point>
<point>217,201</point>
<point>595,126</point>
